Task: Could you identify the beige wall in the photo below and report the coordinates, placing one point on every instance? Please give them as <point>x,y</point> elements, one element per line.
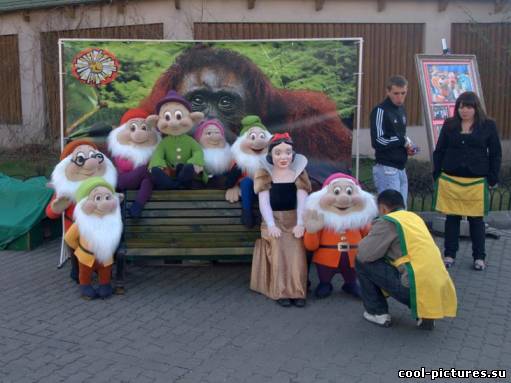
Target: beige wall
<point>178,24</point>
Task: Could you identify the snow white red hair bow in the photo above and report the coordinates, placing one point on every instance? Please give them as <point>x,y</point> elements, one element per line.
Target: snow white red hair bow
<point>281,136</point>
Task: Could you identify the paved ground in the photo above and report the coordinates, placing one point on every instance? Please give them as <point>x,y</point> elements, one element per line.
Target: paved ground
<point>202,324</point>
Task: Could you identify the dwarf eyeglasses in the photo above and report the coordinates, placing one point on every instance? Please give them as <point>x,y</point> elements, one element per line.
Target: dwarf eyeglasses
<point>81,159</point>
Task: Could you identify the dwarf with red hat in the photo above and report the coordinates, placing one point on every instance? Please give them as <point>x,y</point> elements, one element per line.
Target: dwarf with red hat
<point>218,160</point>
<point>80,160</point>
<point>178,158</point>
<point>132,144</point>
<point>336,218</point>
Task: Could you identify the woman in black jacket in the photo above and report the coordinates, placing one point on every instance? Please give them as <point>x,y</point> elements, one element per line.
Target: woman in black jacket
<point>468,147</point>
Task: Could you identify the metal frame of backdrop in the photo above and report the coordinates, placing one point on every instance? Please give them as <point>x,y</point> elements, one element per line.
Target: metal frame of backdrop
<point>356,136</point>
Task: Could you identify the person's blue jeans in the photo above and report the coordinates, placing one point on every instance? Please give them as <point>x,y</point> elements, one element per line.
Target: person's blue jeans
<point>247,193</point>
<point>378,275</point>
<point>387,177</point>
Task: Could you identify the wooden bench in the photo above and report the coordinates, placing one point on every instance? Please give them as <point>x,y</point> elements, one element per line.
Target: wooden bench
<point>184,224</point>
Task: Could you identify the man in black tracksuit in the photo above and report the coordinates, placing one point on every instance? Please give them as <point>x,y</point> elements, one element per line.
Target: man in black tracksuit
<point>388,138</point>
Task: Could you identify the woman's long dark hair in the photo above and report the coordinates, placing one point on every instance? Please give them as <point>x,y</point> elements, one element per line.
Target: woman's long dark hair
<point>470,99</point>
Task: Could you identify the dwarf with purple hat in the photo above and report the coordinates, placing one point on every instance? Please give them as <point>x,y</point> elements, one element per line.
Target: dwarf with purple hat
<point>336,218</point>
<point>178,158</point>
<point>218,160</point>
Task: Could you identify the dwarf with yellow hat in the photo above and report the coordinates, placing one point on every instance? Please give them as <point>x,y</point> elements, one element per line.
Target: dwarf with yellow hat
<point>95,235</point>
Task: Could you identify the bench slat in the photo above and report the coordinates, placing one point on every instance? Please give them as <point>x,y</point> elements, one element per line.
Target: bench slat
<point>219,229</point>
<point>181,195</point>
<point>161,252</point>
<point>192,205</point>
<point>183,221</point>
<point>203,237</point>
<point>186,243</point>
<point>191,213</point>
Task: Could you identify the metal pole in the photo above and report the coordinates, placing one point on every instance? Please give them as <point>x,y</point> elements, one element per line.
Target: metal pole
<point>63,253</point>
<point>359,100</point>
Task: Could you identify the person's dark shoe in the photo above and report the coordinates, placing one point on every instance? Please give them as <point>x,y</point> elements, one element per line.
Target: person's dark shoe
<point>299,302</point>
<point>105,291</point>
<point>284,302</point>
<point>323,290</point>
<point>425,324</point>
<point>87,292</point>
<point>479,265</point>
<point>247,218</point>
<point>382,320</point>
<point>136,209</point>
<point>352,288</point>
<point>449,262</point>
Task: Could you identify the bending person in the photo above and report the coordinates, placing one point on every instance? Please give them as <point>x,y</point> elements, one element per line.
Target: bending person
<point>400,258</point>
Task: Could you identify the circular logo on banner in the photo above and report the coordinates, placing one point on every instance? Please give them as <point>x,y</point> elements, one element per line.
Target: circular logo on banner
<point>95,66</point>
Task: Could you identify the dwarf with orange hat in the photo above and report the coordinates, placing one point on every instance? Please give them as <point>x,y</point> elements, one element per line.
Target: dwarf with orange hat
<point>132,144</point>
<point>80,160</point>
<point>336,218</point>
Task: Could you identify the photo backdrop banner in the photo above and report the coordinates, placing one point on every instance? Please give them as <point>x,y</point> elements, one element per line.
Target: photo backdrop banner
<point>308,88</point>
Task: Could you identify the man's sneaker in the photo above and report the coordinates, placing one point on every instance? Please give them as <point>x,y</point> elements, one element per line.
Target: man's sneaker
<point>383,320</point>
<point>425,324</point>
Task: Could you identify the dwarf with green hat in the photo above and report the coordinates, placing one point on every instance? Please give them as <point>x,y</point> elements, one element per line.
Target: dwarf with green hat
<point>95,235</point>
<point>248,151</point>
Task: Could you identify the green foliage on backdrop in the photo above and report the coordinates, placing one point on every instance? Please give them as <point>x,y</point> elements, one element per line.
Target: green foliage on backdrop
<point>329,66</point>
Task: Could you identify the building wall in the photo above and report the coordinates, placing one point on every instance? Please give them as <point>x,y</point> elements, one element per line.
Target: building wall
<point>178,24</point>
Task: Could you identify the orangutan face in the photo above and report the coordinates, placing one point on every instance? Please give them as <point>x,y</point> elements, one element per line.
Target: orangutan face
<point>212,137</point>
<point>256,141</point>
<point>342,198</point>
<point>175,119</point>
<point>138,132</point>
<point>86,162</point>
<point>100,202</point>
<point>218,94</point>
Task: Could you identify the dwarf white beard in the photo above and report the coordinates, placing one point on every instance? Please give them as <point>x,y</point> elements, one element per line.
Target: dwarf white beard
<point>65,188</point>
<point>217,160</point>
<point>350,221</point>
<point>139,155</point>
<point>248,163</point>
<point>60,183</point>
<point>102,234</point>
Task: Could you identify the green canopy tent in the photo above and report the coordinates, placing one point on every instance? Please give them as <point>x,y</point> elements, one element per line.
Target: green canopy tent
<point>22,204</point>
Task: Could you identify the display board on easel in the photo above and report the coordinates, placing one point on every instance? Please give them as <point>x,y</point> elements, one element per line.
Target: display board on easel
<point>442,78</point>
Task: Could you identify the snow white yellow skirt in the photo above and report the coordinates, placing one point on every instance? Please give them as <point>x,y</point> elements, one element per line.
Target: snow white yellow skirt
<point>279,265</point>
<point>461,196</point>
